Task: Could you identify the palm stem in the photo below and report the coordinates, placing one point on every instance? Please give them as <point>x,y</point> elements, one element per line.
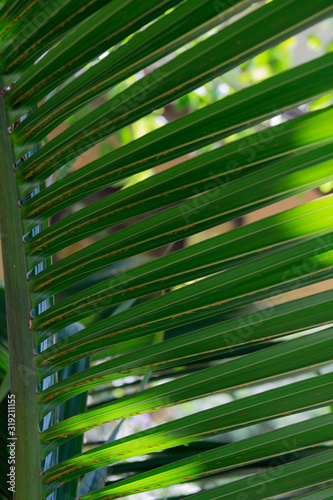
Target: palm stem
<point>22,368</point>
